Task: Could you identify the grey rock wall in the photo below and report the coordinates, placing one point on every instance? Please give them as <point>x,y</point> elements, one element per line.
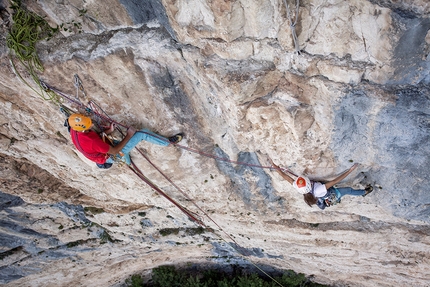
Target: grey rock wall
<point>399,135</point>
<point>227,75</point>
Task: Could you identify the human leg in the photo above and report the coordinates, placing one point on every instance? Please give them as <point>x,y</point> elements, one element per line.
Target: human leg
<point>350,191</point>
<point>144,135</point>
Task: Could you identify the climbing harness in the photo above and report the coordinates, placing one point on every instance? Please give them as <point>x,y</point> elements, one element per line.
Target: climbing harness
<point>293,24</point>
<point>332,197</point>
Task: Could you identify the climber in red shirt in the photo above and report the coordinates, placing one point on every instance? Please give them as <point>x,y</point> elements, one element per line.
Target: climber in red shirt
<point>92,146</point>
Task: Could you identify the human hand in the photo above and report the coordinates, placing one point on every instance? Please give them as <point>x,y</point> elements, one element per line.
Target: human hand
<point>111,128</point>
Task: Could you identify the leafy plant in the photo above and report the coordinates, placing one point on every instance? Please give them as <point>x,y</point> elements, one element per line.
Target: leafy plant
<point>134,281</point>
<point>168,276</point>
<point>250,281</point>
<point>75,243</point>
<point>164,276</point>
<point>27,29</point>
<point>105,237</point>
<point>168,231</point>
<point>93,210</point>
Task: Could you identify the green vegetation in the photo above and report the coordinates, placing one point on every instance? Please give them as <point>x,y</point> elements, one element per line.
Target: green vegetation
<point>75,243</point>
<point>168,231</point>
<point>195,231</point>
<point>105,237</point>
<point>12,141</point>
<point>10,252</point>
<point>27,30</point>
<point>134,281</point>
<point>93,210</point>
<point>188,231</point>
<point>169,276</point>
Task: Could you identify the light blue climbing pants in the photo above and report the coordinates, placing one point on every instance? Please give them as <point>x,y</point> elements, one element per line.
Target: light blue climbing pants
<point>350,191</point>
<point>142,135</point>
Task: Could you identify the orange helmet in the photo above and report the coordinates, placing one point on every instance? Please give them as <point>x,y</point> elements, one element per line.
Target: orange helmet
<point>303,185</point>
<point>80,122</point>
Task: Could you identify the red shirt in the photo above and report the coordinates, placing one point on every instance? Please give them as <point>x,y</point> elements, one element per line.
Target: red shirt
<point>90,145</point>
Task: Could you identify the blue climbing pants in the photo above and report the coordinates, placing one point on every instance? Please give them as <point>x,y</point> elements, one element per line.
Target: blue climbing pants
<point>348,190</point>
<point>142,135</point>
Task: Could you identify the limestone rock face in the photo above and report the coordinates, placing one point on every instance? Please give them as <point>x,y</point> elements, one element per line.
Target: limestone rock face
<point>226,74</point>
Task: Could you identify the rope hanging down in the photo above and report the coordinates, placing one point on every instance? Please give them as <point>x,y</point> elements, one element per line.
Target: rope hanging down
<point>191,215</point>
<point>293,24</point>
<point>97,111</point>
<point>139,173</point>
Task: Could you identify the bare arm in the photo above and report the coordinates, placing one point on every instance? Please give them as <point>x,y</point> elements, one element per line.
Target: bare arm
<point>340,177</point>
<point>116,149</point>
<point>284,175</point>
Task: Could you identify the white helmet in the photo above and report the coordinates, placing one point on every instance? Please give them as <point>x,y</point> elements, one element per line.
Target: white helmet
<point>303,185</point>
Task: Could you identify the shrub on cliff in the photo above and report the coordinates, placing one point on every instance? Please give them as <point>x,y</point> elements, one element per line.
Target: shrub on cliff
<point>169,276</point>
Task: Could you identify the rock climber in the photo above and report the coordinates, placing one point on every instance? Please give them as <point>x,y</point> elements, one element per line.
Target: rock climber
<point>323,194</point>
<point>93,147</point>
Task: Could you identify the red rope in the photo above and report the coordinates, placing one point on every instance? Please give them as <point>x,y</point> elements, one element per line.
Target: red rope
<point>186,195</point>
<point>109,119</point>
<point>137,171</point>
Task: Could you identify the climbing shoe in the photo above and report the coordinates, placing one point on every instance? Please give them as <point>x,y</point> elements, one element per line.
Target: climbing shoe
<point>176,138</point>
<point>368,190</point>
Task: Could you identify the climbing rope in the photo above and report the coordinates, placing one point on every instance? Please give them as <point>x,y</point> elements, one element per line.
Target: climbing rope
<point>139,173</point>
<point>97,111</point>
<point>192,216</point>
<point>293,24</point>
<point>232,161</point>
<point>28,28</point>
<point>207,215</point>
